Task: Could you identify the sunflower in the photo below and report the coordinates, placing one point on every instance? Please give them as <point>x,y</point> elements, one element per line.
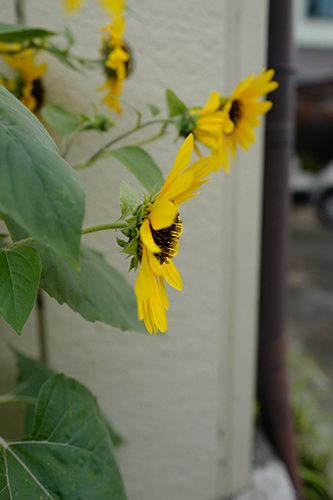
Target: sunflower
<point>206,125</point>
<point>26,85</point>
<point>154,232</point>
<point>241,112</point>
<point>115,61</point>
<point>114,8</point>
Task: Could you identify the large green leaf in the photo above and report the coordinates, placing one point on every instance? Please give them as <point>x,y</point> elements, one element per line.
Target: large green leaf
<point>140,164</point>
<point>12,33</point>
<point>20,270</point>
<point>39,191</point>
<point>60,119</point>
<point>32,374</point>
<point>98,292</point>
<point>175,105</point>
<point>69,454</point>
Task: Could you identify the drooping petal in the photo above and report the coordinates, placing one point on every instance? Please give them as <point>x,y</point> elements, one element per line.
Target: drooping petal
<point>172,276</point>
<point>144,281</point>
<point>162,214</point>
<point>163,292</point>
<point>147,237</point>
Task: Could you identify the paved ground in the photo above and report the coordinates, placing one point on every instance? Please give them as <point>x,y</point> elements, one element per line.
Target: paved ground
<point>310,286</point>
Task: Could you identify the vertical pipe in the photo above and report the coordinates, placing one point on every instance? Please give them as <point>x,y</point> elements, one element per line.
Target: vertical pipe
<point>272,378</point>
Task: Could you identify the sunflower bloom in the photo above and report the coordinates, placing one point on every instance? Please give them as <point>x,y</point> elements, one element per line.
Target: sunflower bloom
<point>27,81</point>
<point>114,8</point>
<point>241,111</point>
<point>208,125</point>
<point>159,233</point>
<point>115,62</point>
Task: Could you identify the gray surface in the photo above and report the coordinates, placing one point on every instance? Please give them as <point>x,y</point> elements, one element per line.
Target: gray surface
<point>310,287</point>
<point>269,479</point>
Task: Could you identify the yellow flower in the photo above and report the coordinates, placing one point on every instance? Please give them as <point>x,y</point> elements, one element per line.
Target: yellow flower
<point>159,233</point>
<point>241,112</point>
<point>28,76</point>
<point>209,122</point>
<point>115,59</point>
<point>113,7</point>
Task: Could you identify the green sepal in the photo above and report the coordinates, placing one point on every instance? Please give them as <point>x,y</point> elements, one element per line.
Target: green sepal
<point>131,248</point>
<point>129,200</point>
<point>154,110</point>
<point>121,243</point>
<point>175,105</point>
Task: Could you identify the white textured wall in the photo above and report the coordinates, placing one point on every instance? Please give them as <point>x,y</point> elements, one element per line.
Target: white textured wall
<point>183,401</point>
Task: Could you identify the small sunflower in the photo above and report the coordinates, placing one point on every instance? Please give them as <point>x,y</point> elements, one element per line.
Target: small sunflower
<point>209,123</point>
<point>114,8</point>
<point>157,234</point>
<point>115,62</point>
<point>206,125</point>
<point>26,85</point>
<point>241,112</point>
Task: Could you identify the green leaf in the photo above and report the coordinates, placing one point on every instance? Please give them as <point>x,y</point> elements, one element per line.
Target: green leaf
<point>129,199</point>
<point>31,376</point>
<point>98,292</point>
<point>3,237</point>
<point>20,270</point>
<point>11,33</point>
<point>39,191</point>
<point>60,119</point>
<point>140,164</point>
<point>154,110</point>
<point>69,454</point>
<point>175,105</point>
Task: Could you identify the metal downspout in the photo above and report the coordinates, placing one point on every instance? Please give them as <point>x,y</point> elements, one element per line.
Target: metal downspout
<point>272,382</point>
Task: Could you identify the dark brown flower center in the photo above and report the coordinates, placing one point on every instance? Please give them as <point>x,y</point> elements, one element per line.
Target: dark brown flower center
<point>235,112</point>
<point>167,240</point>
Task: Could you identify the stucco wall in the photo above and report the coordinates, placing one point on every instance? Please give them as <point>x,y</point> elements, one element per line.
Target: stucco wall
<point>168,395</point>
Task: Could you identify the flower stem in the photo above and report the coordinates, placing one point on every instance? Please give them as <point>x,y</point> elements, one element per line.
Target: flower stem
<point>102,227</point>
<point>91,229</point>
<point>99,154</point>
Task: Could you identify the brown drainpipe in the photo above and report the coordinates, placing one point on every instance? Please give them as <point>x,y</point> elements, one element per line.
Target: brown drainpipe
<point>272,382</point>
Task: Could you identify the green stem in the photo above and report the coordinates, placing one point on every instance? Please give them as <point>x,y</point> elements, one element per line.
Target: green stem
<point>20,243</point>
<point>152,138</point>
<point>7,398</point>
<point>96,155</point>
<point>91,229</point>
<point>102,227</point>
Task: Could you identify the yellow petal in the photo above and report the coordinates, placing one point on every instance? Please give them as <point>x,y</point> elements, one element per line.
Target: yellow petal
<point>162,214</point>
<point>197,150</point>
<point>73,5</point>
<point>213,103</point>
<point>180,184</point>
<point>163,292</point>
<point>147,237</point>
<point>155,264</point>
<point>182,160</point>
<point>172,276</point>
<point>144,281</point>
